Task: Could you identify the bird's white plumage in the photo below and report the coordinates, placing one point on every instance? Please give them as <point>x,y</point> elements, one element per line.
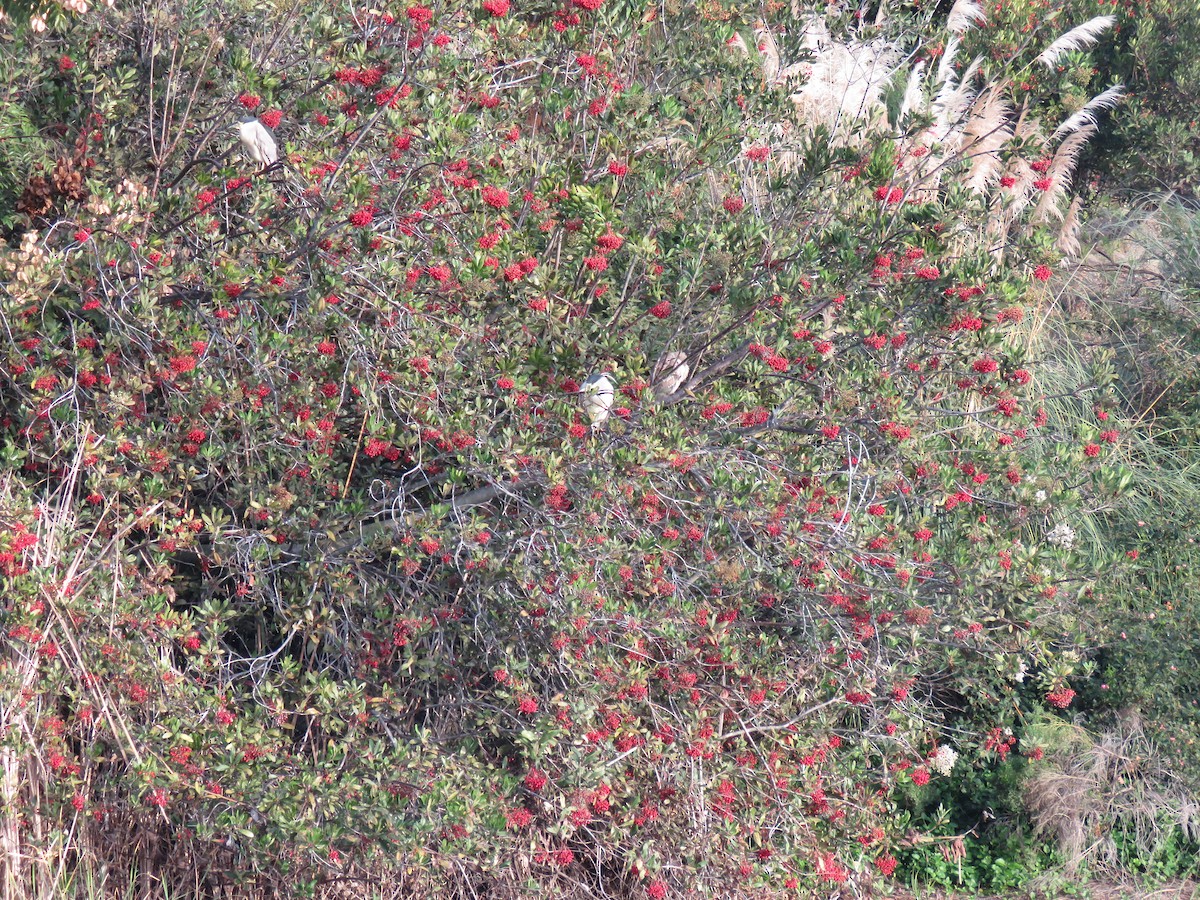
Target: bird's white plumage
<point>596,396</point>
<point>257,141</point>
<point>670,372</point>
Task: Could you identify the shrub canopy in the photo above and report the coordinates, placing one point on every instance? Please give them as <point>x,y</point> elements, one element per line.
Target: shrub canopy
<point>313,563</point>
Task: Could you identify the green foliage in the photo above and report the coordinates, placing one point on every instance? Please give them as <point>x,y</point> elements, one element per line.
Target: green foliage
<point>977,835</point>
<point>1173,859</point>
<point>1133,330</point>
<point>1151,143</point>
<point>315,566</point>
<point>1001,861</point>
<point>1155,145</point>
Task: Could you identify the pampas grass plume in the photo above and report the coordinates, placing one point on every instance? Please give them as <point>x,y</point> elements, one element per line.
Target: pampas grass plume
<point>1087,115</point>
<point>1077,38</point>
<point>964,15</point>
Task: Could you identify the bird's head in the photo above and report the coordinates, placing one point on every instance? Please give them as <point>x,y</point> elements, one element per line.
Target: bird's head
<point>668,363</point>
<point>599,381</point>
<point>244,126</point>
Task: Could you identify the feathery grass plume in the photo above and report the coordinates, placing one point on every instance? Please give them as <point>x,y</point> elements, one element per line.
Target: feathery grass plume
<point>1020,194</point>
<point>769,49</point>
<point>1077,38</point>
<point>918,169</point>
<point>951,112</point>
<point>1067,243</point>
<point>985,134</point>
<point>943,109</point>
<point>951,105</point>
<point>1062,167</point>
<point>795,70</point>
<point>945,70</point>
<point>1067,154</point>
<point>1087,114</point>
<point>846,81</point>
<point>965,15</point>
<point>1007,206</point>
<point>816,36</point>
<point>1028,131</point>
<point>913,90</point>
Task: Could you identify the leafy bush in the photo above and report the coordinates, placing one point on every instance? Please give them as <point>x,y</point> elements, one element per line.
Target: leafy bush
<point>315,566</point>
<point>1152,143</point>
<point>1139,289</point>
<point>1113,802</point>
<point>976,834</point>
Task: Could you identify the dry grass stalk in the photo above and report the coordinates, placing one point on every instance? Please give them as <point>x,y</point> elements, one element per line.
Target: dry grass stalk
<point>843,89</point>
<point>1062,166</point>
<point>1078,38</point>
<point>1094,786</point>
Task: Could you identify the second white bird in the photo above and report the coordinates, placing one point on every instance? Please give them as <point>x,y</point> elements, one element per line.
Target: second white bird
<point>596,396</point>
<point>257,141</point>
<point>670,373</point>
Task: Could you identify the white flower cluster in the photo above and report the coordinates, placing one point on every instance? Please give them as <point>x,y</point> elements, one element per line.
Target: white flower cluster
<point>129,195</point>
<point>1022,670</point>
<point>38,21</point>
<point>25,263</point>
<point>1061,535</point>
<point>943,761</point>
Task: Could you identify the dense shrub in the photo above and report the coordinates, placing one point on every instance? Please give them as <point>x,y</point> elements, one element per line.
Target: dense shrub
<point>1115,788</point>
<point>314,566</point>
<point>1133,300</point>
<point>1153,143</point>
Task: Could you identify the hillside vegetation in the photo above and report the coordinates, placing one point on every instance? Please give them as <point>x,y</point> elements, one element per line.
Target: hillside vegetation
<point>614,450</point>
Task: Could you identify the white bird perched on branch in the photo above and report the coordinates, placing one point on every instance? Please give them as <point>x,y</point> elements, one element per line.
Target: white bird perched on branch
<point>596,395</point>
<point>257,141</point>
<point>670,372</point>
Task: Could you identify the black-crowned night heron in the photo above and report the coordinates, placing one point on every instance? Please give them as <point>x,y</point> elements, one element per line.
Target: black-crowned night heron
<point>670,372</point>
<point>596,396</point>
<point>257,141</point>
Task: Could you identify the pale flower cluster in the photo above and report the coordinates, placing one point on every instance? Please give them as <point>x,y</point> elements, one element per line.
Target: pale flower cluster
<point>129,195</point>
<point>23,264</point>
<point>1061,535</point>
<point>37,21</point>
<point>943,761</point>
